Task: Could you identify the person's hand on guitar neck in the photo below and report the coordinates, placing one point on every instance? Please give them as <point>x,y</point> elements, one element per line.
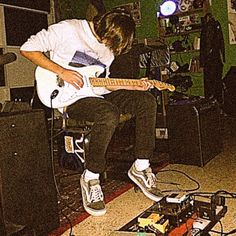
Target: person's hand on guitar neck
<point>145,85</point>
<point>148,85</point>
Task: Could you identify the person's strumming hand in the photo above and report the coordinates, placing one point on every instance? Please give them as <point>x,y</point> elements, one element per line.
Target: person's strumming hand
<point>72,77</point>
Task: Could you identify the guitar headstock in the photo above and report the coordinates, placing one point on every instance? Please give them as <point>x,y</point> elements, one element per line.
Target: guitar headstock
<point>164,86</point>
<point>171,88</point>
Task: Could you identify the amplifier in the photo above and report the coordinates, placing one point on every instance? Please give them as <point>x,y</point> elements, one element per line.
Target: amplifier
<point>194,131</point>
<point>27,189</point>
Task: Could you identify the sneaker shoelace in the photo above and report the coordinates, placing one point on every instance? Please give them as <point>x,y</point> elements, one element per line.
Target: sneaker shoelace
<point>96,194</point>
<point>151,178</point>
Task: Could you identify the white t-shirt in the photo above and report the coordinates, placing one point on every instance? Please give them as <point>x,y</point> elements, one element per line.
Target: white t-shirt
<point>72,42</point>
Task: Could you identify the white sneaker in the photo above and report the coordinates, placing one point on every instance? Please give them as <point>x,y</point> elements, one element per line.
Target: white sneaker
<point>147,182</point>
<point>92,195</point>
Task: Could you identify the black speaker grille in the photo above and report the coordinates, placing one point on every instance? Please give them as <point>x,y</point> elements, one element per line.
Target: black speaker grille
<point>29,194</point>
<point>194,133</point>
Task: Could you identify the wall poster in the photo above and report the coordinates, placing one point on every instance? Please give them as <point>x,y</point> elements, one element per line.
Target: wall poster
<point>232,21</point>
<point>134,9</point>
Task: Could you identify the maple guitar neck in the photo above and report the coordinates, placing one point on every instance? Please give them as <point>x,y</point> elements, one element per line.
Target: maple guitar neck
<point>101,82</point>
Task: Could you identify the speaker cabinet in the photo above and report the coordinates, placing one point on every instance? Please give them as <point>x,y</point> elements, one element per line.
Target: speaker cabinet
<point>2,221</point>
<point>29,195</point>
<point>194,132</point>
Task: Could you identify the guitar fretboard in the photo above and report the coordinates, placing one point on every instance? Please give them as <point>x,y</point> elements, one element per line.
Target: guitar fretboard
<point>101,82</point>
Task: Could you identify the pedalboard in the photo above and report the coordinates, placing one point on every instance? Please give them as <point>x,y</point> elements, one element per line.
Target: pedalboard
<point>179,214</point>
<point>177,207</point>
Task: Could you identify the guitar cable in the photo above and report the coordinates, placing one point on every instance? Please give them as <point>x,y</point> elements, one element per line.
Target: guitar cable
<point>53,95</point>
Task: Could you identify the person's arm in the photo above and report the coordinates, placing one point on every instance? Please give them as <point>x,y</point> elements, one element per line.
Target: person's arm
<point>50,40</point>
<point>39,59</point>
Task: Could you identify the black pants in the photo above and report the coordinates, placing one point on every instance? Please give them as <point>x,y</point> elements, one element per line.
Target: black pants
<point>105,114</point>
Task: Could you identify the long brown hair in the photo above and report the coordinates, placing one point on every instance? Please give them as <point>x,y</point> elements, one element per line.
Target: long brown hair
<point>116,29</point>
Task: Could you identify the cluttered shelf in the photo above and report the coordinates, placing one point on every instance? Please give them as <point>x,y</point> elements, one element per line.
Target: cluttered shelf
<point>186,32</point>
<point>181,13</point>
<point>182,21</point>
<point>181,31</point>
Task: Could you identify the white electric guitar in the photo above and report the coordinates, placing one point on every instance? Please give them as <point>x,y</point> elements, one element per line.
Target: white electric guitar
<point>56,93</point>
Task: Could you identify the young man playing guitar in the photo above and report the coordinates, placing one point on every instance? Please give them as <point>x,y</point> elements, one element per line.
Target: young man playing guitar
<point>75,45</point>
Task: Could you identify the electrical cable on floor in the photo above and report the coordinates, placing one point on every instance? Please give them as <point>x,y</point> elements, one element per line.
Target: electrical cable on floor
<point>70,223</point>
<point>232,232</point>
<point>221,228</point>
<point>219,192</point>
<point>176,184</point>
<point>168,182</point>
<point>221,232</point>
<point>233,195</point>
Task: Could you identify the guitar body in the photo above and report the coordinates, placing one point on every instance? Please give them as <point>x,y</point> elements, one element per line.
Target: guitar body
<point>56,93</point>
<point>48,86</point>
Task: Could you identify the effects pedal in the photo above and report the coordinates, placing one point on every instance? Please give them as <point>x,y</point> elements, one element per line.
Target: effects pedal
<point>177,207</point>
<point>176,198</point>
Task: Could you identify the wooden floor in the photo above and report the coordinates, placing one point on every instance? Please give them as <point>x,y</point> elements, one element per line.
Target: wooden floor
<point>218,174</point>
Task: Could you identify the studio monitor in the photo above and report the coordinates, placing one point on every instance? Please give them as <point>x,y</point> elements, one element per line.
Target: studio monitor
<point>28,190</point>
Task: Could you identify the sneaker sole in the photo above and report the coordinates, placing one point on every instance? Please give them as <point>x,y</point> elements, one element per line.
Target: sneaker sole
<point>145,192</point>
<point>90,210</point>
<point>93,213</point>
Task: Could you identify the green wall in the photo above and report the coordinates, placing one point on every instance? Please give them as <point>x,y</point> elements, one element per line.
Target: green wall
<point>219,10</point>
<point>69,9</point>
<point>148,28</point>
